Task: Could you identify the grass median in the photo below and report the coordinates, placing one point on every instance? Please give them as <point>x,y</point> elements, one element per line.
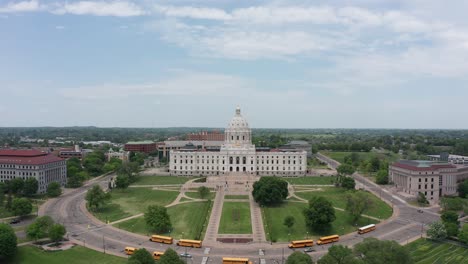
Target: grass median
<point>235,218</point>
<point>132,201</point>
<point>75,255</point>
<point>278,232</point>
<point>188,221</point>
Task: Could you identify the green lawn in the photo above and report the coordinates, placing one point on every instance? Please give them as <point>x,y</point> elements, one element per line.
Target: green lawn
<point>187,221</point>
<point>161,180</point>
<point>236,197</point>
<point>339,156</point>
<point>273,218</point>
<point>427,252</point>
<point>337,196</point>
<point>315,180</point>
<point>75,255</point>
<point>133,201</point>
<point>235,218</point>
<point>196,195</point>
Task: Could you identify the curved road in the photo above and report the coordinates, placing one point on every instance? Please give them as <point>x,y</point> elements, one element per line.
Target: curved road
<point>405,225</point>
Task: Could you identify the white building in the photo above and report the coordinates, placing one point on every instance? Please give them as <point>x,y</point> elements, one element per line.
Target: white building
<point>434,179</point>
<point>45,167</point>
<point>122,155</point>
<point>237,156</point>
<point>454,159</point>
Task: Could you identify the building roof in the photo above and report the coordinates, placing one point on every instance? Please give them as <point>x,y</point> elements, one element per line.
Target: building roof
<point>26,157</point>
<point>422,165</point>
<point>297,142</point>
<point>21,152</point>
<point>450,156</point>
<point>140,142</point>
<point>182,143</point>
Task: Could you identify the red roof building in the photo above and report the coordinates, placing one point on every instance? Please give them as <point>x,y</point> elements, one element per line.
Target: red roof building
<point>43,166</point>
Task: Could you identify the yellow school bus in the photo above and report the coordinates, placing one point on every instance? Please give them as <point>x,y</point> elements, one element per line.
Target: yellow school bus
<point>190,243</point>
<point>367,228</point>
<point>161,239</point>
<point>328,239</point>
<point>157,255</point>
<point>236,261</point>
<point>301,243</point>
<point>130,250</point>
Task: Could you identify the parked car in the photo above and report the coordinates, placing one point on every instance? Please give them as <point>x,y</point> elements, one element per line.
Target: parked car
<point>15,221</point>
<point>185,255</point>
<point>309,249</point>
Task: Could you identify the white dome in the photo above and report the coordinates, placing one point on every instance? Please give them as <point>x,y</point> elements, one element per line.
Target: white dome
<point>238,132</point>
<point>238,122</point>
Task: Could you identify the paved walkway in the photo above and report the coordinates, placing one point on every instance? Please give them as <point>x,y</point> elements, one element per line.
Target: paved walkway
<point>216,212</point>
<point>257,221</point>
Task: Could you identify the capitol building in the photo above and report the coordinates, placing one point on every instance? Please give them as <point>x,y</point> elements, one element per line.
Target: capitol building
<point>237,156</point>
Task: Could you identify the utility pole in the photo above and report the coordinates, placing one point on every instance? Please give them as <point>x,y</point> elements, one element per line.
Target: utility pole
<point>282,256</point>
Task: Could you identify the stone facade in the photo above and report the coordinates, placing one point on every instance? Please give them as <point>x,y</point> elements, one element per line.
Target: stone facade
<point>237,156</point>
<point>45,167</point>
<point>431,178</point>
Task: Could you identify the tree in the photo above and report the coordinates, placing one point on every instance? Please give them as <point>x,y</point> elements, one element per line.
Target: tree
<point>357,203</point>
<point>382,177</point>
<point>289,221</point>
<point>96,197</point>
<point>122,181</point>
<point>338,254</point>
<point>451,228</point>
<point>7,242</point>
<point>270,191</point>
<point>16,185</point>
<point>299,258</point>
<point>9,202</point>
<point>30,187</point>
<point>157,218</point>
<point>170,257</point>
<point>422,199</point>
<point>463,234</point>
<point>320,213</point>
<point>39,228</point>
<point>375,164</point>
<point>54,189</point>
<point>372,250</point>
<point>348,183</point>
<point>142,256</point>
<point>56,232</point>
<point>463,189</point>
<point>345,169</point>
<point>21,206</point>
<point>449,217</point>
<point>452,203</point>
<point>203,191</point>
<point>2,193</point>
<point>437,230</point>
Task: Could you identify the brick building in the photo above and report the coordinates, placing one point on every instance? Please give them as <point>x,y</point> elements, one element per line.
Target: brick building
<point>43,166</point>
<point>141,146</point>
<point>206,136</point>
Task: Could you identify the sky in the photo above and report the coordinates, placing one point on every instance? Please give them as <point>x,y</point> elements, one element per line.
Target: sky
<point>287,64</point>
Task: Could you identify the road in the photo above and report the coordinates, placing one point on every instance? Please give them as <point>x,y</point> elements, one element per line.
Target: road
<point>83,229</point>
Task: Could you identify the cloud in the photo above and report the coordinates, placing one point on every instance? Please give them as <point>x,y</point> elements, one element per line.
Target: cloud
<point>59,27</point>
<point>192,12</point>
<point>185,84</point>
<point>111,8</point>
<point>24,6</point>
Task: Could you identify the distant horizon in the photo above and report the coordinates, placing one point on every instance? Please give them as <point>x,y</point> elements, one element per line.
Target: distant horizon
<point>327,64</point>
<point>222,128</point>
